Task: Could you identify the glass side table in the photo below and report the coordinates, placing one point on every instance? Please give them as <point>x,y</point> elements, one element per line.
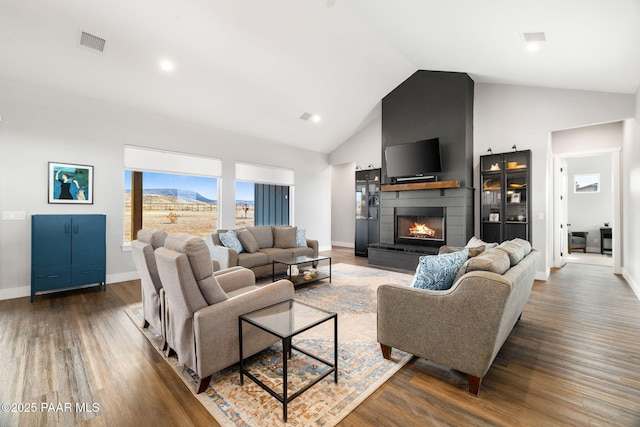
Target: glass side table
<point>286,320</point>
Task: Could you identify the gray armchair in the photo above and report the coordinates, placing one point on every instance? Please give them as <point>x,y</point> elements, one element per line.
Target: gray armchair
<point>578,240</point>
<point>148,240</point>
<point>203,307</point>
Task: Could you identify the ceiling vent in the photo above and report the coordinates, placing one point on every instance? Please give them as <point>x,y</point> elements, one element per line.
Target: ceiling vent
<point>92,42</point>
<point>534,37</point>
<point>305,116</point>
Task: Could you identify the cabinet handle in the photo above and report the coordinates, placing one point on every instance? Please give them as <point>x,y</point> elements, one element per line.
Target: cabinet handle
<point>67,228</point>
<point>53,276</point>
<point>76,228</point>
<point>87,272</point>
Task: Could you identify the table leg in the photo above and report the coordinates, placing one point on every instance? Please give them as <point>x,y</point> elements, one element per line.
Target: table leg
<point>335,347</point>
<point>286,349</point>
<point>329,270</point>
<point>240,348</point>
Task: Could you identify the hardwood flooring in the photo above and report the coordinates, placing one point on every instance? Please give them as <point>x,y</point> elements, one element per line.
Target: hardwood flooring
<point>573,359</point>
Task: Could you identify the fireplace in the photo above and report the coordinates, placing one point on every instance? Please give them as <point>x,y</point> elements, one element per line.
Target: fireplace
<point>420,226</point>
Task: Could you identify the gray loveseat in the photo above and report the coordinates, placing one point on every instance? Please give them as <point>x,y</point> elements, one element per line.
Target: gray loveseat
<point>465,326</point>
<point>260,246</point>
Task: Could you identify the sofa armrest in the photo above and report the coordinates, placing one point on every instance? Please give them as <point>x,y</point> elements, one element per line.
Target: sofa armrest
<point>226,257</point>
<point>235,278</point>
<point>216,327</point>
<point>313,244</point>
<point>457,327</point>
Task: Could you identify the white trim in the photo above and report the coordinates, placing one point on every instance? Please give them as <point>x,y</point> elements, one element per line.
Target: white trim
<point>153,160</point>
<point>632,283</point>
<point>12,293</point>
<point>122,277</point>
<point>543,275</point>
<point>264,174</point>
<point>343,244</point>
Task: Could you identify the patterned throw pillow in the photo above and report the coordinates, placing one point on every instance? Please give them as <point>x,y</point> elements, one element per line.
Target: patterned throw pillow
<point>436,272</point>
<point>230,240</point>
<point>301,238</point>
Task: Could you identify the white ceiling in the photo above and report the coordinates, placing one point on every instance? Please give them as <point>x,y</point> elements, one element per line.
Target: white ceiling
<point>255,66</point>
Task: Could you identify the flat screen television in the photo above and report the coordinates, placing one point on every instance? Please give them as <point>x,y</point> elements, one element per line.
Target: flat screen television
<point>420,159</point>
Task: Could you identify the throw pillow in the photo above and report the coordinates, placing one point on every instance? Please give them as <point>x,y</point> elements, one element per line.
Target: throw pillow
<point>249,243</point>
<point>436,272</point>
<point>230,240</point>
<point>514,250</point>
<point>284,237</point>
<point>493,260</point>
<point>474,242</point>
<point>301,238</point>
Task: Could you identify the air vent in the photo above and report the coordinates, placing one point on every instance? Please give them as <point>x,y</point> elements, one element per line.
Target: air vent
<point>305,116</point>
<point>92,42</point>
<point>534,37</point>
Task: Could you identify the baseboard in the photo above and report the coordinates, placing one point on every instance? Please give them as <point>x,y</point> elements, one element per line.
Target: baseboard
<point>344,244</point>
<point>122,277</point>
<point>632,283</point>
<point>543,275</point>
<point>18,292</point>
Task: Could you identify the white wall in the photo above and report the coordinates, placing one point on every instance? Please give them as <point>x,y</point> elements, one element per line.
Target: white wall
<point>364,148</point>
<point>589,211</point>
<point>41,125</point>
<point>631,200</point>
<point>505,115</point>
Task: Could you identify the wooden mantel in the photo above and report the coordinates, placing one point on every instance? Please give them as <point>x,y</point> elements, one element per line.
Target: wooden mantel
<point>421,186</point>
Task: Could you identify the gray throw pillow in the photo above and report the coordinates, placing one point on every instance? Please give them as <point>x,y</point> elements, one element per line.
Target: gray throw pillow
<point>284,237</point>
<point>249,243</point>
<point>211,290</point>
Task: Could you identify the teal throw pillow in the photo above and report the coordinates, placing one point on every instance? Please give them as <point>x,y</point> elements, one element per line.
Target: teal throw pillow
<point>436,272</point>
<point>230,240</point>
<point>301,237</point>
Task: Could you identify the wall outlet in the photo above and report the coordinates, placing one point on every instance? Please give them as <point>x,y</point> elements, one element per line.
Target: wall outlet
<point>14,216</point>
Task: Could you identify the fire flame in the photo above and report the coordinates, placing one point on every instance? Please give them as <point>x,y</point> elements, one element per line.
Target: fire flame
<point>421,230</point>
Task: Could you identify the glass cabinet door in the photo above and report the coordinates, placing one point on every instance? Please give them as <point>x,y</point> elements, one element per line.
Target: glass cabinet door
<point>361,199</point>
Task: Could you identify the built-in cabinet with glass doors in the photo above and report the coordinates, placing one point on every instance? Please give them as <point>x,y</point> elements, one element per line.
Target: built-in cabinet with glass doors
<point>505,208</point>
<point>367,209</point>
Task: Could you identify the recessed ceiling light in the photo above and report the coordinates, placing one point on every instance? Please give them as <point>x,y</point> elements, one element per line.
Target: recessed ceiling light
<point>166,65</point>
<point>316,118</point>
<point>534,40</point>
<point>532,47</point>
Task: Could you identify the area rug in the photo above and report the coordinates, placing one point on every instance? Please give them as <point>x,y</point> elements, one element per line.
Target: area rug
<point>361,367</point>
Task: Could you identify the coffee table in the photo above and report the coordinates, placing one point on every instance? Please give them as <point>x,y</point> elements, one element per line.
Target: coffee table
<point>299,261</point>
<point>286,320</point>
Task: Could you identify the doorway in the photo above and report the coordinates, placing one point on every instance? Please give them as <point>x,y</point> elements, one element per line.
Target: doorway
<point>582,207</point>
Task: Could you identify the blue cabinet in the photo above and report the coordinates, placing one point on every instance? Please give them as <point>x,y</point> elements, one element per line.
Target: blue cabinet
<point>67,251</point>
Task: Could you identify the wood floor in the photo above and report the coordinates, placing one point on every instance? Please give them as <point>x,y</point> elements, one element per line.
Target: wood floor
<point>573,359</point>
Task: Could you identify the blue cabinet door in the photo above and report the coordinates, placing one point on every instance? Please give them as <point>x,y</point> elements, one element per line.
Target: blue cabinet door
<point>50,240</point>
<point>88,239</point>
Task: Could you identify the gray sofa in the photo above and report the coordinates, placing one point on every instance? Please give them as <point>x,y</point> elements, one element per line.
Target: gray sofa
<point>261,246</point>
<point>465,326</point>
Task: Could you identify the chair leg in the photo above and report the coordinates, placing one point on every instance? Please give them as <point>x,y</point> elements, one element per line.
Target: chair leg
<point>145,325</point>
<point>474,384</point>
<point>203,384</point>
<point>386,351</point>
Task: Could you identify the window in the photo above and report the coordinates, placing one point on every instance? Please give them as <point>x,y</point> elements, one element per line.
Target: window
<point>588,183</point>
<point>173,203</point>
<point>171,191</point>
<point>245,204</point>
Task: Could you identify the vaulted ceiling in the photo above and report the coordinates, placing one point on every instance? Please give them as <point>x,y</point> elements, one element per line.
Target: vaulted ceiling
<point>255,66</point>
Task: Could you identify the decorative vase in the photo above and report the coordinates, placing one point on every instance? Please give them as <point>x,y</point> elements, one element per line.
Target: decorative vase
<point>293,271</point>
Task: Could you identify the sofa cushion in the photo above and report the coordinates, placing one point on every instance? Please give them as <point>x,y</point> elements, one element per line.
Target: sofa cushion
<point>263,235</point>
<point>436,272</point>
<point>513,250</point>
<point>284,237</point>
<point>255,259</point>
<point>301,238</point>
<point>230,240</point>
<point>474,251</point>
<point>249,243</point>
<point>493,260</point>
<point>475,242</point>
<point>277,254</point>
<point>199,257</point>
<point>152,236</point>
<point>524,244</point>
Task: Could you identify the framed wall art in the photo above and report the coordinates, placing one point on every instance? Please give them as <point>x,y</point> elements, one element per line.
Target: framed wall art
<point>70,183</point>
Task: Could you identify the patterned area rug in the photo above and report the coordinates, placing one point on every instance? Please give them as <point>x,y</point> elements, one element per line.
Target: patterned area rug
<point>361,367</point>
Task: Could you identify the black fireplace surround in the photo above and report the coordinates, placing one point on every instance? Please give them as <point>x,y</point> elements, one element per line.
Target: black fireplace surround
<point>424,226</point>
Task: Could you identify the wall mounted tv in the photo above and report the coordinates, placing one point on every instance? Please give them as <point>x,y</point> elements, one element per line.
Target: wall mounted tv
<point>413,161</point>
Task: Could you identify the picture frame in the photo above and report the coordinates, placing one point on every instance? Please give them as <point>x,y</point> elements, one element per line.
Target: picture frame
<point>494,217</point>
<point>515,198</point>
<point>70,183</point>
